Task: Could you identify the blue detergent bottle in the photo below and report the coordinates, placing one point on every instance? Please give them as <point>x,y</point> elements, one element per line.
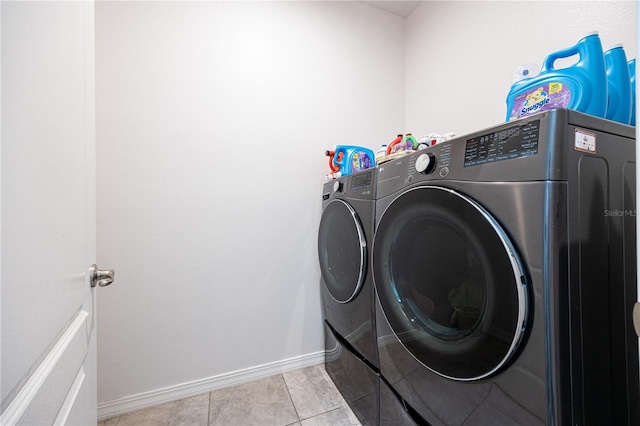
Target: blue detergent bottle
<point>353,159</point>
<point>618,85</point>
<point>582,86</point>
<point>632,78</point>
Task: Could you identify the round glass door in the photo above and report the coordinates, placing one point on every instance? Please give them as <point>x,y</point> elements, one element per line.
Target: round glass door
<point>450,283</point>
<point>342,251</point>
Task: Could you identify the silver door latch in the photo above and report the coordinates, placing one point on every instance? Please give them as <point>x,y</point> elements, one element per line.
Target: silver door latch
<point>99,277</point>
<point>636,317</point>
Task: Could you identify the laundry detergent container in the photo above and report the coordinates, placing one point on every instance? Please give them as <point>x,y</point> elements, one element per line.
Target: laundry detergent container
<point>581,87</point>
<point>351,159</point>
<point>619,103</point>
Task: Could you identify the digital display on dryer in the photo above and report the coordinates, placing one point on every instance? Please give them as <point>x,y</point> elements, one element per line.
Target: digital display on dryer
<point>505,144</point>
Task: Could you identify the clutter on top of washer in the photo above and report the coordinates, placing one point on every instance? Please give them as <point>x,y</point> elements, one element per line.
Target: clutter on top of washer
<point>399,144</point>
<point>398,147</point>
<point>582,86</point>
<point>618,85</point>
<point>434,138</point>
<point>406,144</point>
<point>347,159</point>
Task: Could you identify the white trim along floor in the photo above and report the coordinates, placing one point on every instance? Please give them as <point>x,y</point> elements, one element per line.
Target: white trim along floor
<point>304,397</point>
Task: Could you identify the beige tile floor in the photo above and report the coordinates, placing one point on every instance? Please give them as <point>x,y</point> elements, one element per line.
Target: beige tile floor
<point>304,397</point>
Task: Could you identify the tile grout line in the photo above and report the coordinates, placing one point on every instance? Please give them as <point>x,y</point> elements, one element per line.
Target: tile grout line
<point>208,411</point>
<point>325,412</point>
<point>290,398</point>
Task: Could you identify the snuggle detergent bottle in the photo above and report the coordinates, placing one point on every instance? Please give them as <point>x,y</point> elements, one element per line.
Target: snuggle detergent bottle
<point>582,86</point>
<point>353,159</point>
<point>618,85</point>
<point>632,77</point>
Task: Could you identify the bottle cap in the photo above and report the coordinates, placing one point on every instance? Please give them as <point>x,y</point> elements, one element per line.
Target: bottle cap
<point>525,71</point>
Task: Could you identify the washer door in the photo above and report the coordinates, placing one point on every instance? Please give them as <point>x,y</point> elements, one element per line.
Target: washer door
<point>342,249</point>
<point>450,283</point>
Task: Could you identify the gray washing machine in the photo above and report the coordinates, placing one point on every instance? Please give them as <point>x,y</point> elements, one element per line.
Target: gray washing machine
<point>504,263</point>
<point>344,249</point>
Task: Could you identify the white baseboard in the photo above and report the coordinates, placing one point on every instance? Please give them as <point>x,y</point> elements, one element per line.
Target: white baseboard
<point>120,406</point>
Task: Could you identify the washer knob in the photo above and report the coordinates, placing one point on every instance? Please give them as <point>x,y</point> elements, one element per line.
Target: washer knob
<point>425,163</point>
<point>338,186</point>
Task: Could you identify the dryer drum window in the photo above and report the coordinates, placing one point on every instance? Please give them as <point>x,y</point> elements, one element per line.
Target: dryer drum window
<point>342,251</point>
<point>450,283</point>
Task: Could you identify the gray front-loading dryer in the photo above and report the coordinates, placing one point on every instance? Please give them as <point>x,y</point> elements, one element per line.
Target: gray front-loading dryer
<point>504,264</point>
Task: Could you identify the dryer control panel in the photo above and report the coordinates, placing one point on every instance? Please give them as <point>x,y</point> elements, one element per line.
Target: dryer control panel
<point>430,163</point>
<point>434,160</point>
<point>503,144</point>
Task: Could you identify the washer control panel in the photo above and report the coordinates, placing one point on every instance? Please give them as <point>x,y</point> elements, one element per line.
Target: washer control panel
<point>434,159</point>
<point>361,180</point>
<point>360,185</point>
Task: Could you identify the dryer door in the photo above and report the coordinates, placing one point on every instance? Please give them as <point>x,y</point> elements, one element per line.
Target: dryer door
<point>450,283</point>
<point>342,250</point>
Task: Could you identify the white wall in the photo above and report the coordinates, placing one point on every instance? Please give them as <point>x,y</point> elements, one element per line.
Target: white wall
<point>212,122</point>
<point>460,55</point>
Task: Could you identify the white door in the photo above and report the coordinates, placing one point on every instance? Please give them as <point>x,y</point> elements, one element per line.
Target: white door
<point>47,216</point>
